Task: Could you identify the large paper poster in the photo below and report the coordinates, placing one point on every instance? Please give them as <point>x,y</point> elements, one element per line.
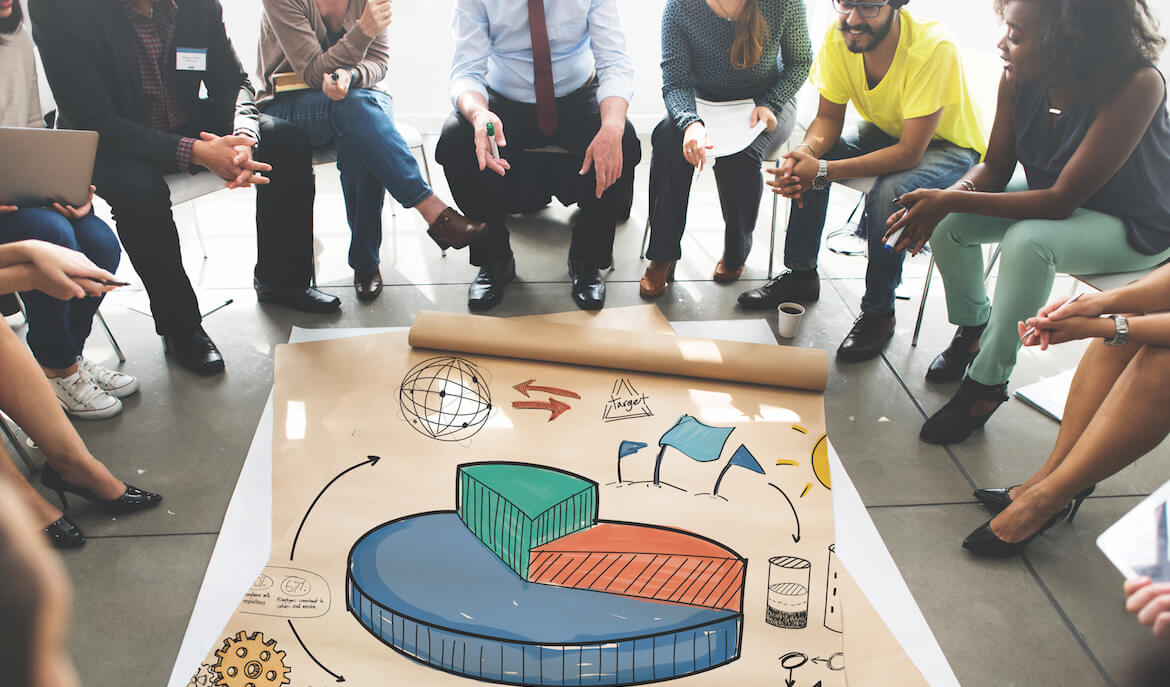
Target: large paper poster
<point>447,516</point>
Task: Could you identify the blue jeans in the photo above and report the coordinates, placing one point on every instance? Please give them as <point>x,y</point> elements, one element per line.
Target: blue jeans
<point>57,329</point>
<point>371,155</point>
<point>941,165</point>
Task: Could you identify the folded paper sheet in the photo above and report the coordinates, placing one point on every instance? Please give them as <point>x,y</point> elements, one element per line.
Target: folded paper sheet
<point>451,518</point>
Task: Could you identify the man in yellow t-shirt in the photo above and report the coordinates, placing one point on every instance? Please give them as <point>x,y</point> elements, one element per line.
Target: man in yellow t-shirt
<point>920,129</point>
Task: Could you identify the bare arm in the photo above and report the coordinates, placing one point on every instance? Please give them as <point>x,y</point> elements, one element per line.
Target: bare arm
<point>903,155</point>
<point>1110,141</point>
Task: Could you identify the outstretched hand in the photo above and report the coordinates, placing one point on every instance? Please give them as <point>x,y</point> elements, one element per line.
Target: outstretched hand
<point>921,211</point>
<point>1150,601</point>
<point>64,273</point>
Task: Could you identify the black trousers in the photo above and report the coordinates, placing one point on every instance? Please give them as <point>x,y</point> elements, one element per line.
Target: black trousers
<point>141,204</point>
<point>488,197</point>
<point>737,178</point>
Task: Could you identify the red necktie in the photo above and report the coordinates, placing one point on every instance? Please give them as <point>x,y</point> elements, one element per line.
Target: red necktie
<point>546,99</point>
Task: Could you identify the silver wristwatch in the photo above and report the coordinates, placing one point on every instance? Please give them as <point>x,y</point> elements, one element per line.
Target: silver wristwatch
<point>1120,331</point>
<point>821,181</point>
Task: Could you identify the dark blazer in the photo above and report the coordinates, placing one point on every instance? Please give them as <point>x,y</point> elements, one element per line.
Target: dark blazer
<point>87,47</point>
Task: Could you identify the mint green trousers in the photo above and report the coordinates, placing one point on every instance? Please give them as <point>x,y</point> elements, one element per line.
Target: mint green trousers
<point>1032,251</point>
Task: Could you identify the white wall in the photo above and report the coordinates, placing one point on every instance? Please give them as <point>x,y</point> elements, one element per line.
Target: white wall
<point>421,47</point>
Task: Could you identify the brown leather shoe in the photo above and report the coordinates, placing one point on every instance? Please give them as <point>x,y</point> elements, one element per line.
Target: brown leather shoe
<point>368,286</point>
<point>724,275</point>
<point>452,230</point>
<point>654,281</point>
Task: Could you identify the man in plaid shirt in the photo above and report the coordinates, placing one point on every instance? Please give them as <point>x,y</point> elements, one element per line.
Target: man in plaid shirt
<point>132,70</point>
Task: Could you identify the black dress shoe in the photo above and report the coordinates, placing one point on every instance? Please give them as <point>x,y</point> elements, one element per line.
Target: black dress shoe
<point>367,286</point>
<point>63,534</point>
<point>951,364</point>
<point>132,498</point>
<point>194,350</point>
<point>588,286</point>
<point>305,300</point>
<point>954,422</point>
<point>789,287</point>
<point>487,290</point>
<point>867,338</point>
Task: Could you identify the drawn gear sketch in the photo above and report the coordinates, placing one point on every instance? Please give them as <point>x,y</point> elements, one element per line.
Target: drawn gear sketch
<point>249,661</point>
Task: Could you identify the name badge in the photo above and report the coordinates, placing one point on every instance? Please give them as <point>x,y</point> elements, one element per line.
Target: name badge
<point>191,59</point>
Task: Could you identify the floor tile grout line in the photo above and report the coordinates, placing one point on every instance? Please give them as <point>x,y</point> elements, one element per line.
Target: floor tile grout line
<point>913,399</point>
<point>149,534</point>
<point>1080,640</point>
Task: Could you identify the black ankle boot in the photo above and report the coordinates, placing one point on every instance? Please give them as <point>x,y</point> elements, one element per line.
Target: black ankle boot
<point>951,364</point>
<point>953,422</point>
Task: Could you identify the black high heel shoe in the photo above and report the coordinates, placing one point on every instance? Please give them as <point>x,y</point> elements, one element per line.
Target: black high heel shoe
<point>951,364</point>
<point>995,500</point>
<point>132,499</point>
<point>983,542</point>
<point>954,422</point>
<point>63,534</point>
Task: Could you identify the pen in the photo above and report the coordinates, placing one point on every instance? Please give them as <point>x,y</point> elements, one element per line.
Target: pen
<point>110,282</point>
<point>893,241</point>
<point>491,132</point>
<point>1032,330</point>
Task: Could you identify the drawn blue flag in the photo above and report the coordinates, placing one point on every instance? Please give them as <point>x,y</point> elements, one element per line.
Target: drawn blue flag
<point>699,441</point>
<point>744,459</point>
<point>631,447</point>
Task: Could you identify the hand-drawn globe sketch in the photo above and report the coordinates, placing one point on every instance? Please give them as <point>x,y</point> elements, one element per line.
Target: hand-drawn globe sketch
<point>445,398</point>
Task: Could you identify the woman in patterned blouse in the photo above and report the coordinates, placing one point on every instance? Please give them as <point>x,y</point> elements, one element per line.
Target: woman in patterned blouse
<point>721,50</point>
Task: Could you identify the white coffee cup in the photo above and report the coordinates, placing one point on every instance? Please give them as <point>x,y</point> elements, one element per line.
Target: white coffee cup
<point>788,319</point>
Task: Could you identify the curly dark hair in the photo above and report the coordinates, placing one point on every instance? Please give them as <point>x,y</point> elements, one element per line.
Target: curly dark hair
<point>1095,42</point>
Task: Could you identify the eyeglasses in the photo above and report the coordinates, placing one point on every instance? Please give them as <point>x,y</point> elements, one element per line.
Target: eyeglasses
<point>869,10</point>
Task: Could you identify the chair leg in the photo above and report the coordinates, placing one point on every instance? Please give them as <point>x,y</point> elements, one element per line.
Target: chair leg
<point>110,336</point>
<point>198,229</point>
<point>991,262</point>
<point>645,238</point>
<point>16,444</point>
<point>922,305</point>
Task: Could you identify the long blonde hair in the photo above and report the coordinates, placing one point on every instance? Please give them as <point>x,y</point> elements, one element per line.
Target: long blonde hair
<point>751,32</point>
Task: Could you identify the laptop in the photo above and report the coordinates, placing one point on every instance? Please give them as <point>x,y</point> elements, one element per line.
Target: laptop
<point>41,166</point>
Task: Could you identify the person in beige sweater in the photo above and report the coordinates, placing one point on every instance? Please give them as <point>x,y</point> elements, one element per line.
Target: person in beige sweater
<point>336,51</point>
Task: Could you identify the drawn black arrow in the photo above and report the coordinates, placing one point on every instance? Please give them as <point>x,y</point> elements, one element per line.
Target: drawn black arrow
<point>339,678</point>
<point>371,461</point>
<point>795,537</point>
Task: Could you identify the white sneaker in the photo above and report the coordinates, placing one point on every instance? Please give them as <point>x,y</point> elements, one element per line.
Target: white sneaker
<point>82,398</point>
<point>115,383</point>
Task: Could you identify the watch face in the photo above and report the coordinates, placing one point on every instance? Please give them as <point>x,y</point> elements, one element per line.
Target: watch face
<point>820,183</point>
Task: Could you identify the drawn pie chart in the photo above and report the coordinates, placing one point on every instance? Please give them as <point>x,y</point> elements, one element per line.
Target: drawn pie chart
<point>523,585</point>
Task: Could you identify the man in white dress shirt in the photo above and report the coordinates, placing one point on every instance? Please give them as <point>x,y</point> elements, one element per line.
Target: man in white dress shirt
<point>540,73</point>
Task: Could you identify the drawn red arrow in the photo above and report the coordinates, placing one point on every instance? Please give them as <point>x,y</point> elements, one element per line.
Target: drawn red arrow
<point>553,405</point>
<point>525,387</point>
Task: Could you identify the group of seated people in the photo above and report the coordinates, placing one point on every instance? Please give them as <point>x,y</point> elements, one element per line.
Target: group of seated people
<point>1081,108</point>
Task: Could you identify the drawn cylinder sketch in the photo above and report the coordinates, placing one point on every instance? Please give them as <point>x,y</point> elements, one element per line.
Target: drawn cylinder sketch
<point>788,580</point>
<point>832,597</point>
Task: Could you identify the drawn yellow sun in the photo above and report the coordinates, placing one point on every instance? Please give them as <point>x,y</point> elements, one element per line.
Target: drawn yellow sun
<point>820,461</point>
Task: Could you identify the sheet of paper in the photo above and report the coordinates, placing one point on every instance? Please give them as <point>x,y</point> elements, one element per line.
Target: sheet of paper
<point>1048,395</point>
<point>231,570</point>
<point>1138,542</point>
<point>728,125</point>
